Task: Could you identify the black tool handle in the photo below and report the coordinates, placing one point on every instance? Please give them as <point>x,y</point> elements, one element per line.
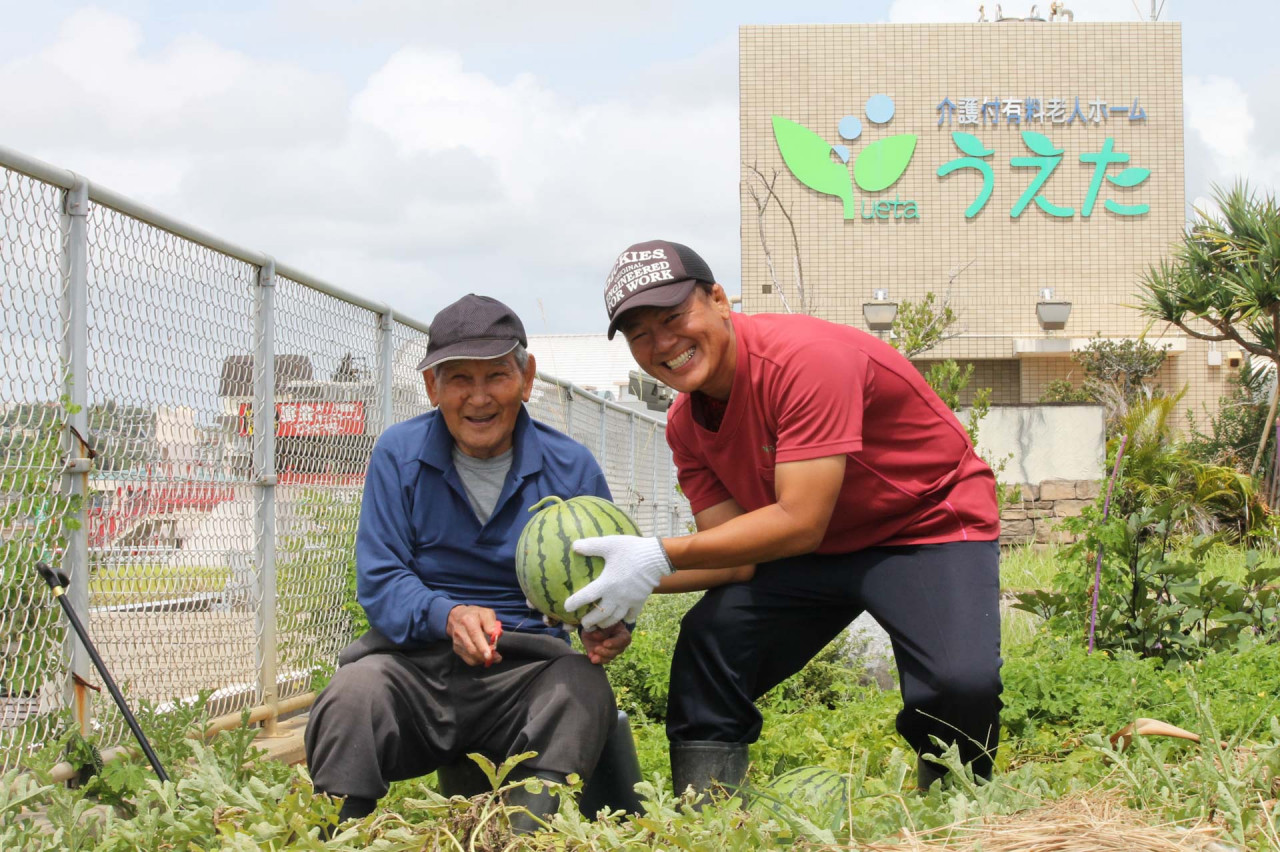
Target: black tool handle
<point>58,581</point>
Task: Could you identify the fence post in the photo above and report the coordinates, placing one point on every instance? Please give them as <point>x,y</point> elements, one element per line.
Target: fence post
<point>386,367</point>
<point>568,411</point>
<point>264,502</point>
<point>604,439</point>
<point>75,477</point>
<point>631,458</point>
<point>668,497</point>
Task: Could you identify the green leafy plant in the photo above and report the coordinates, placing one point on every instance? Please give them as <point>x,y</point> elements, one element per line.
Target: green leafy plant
<point>1059,705</point>
<point>1222,282</point>
<point>921,326</point>
<point>1116,373</point>
<point>1167,511</point>
<point>1220,778</point>
<point>1235,431</point>
<point>1062,390</point>
<point>1120,368</point>
<point>1152,601</point>
<point>1159,469</point>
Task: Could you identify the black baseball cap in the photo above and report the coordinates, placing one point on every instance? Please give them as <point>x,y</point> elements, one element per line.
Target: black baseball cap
<point>472,327</point>
<point>656,273</point>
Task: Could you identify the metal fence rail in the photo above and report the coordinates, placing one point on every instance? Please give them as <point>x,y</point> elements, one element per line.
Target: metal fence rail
<point>184,427</point>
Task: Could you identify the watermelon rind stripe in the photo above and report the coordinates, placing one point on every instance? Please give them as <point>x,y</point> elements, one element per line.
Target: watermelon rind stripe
<point>556,602</point>
<point>540,553</point>
<point>623,524</point>
<point>588,562</point>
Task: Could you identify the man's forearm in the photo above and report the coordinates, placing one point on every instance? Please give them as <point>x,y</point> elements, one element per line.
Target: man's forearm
<point>701,579</point>
<point>402,608</point>
<point>766,534</point>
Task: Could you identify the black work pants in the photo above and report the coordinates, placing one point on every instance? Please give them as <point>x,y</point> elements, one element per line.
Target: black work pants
<point>389,715</point>
<point>939,604</point>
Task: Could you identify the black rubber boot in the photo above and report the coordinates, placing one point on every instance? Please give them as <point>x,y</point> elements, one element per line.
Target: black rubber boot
<point>705,765</point>
<point>613,783</point>
<point>353,807</point>
<point>928,772</point>
<point>538,808</point>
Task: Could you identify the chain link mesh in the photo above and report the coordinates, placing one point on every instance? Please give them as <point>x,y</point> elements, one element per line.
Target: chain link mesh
<point>32,506</point>
<point>328,412</point>
<point>408,392</point>
<point>171,507</point>
<point>176,544</point>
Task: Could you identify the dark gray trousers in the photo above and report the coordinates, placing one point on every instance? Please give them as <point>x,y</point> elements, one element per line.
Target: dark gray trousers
<point>939,603</point>
<point>391,714</point>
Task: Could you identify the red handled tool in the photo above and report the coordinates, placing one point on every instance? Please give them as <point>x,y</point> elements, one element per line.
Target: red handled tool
<point>494,634</point>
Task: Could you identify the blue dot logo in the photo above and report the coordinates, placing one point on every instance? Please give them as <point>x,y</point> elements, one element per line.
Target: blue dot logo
<point>850,127</point>
<point>880,109</point>
<point>889,157</point>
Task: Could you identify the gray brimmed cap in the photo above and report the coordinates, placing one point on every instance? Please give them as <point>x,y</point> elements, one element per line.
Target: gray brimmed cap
<point>656,273</point>
<point>472,327</point>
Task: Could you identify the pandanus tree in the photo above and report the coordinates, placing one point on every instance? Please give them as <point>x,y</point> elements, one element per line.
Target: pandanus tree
<point>1222,282</point>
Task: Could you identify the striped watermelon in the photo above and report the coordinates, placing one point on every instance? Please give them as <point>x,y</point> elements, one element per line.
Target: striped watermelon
<point>818,795</point>
<point>547,568</point>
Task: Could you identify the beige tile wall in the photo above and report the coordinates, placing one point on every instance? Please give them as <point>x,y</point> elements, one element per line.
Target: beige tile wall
<point>999,375</point>
<point>815,75</point>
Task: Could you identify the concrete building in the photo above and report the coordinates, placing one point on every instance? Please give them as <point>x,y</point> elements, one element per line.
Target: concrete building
<point>1021,169</point>
<point>596,364</point>
<point>592,361</point>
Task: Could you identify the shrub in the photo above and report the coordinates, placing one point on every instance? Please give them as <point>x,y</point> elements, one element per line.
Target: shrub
<point>1062,390</point>
<point>1236,429</point>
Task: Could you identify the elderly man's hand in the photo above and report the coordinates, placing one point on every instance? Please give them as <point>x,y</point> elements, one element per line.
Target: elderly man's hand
<point>605,644</point>
<point>471,629</point>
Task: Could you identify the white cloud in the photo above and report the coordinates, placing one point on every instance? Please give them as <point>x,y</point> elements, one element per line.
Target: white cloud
<point>96,79</point>
<point>428,181</point>
<point>1217,109</point>
<point>462,21</point>
<point>1224,143</point>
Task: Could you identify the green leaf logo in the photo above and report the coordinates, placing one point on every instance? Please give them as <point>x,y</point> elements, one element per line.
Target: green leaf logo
<point>1130,177</point>
<point>1040,143</point>
<point>971,145</point>
<point>881,163</point>
<point>808,156</point>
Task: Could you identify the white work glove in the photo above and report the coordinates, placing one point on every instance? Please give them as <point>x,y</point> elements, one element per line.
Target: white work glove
<point>632,568</point>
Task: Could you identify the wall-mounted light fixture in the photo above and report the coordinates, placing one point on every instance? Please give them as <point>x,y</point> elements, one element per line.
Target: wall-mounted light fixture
<point>880,313</point>
<point>1235,358</point>
<point>1050,312</point>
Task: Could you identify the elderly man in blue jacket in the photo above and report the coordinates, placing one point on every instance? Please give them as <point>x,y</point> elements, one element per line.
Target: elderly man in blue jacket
<point>446,497</point>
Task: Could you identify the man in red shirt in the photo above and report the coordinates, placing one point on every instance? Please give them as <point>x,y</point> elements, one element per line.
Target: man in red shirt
<point>819,454</point>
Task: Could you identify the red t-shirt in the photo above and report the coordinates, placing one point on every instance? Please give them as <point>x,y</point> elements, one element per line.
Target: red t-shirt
<point>805,388</point>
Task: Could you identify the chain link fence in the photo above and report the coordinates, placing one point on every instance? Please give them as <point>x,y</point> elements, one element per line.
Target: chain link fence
<point>186,426</point>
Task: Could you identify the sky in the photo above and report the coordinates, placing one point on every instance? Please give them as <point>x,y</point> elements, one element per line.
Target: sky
<point>415,150</point>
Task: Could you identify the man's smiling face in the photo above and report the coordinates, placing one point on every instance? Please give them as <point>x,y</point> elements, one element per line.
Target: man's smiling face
<point>688,346</point>
<point>480,400</point>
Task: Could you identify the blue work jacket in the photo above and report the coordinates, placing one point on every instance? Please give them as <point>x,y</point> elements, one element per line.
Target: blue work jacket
<point>421,550</point>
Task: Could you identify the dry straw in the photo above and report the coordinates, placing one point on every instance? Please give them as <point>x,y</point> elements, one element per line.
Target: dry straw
<point>1075,824</point>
